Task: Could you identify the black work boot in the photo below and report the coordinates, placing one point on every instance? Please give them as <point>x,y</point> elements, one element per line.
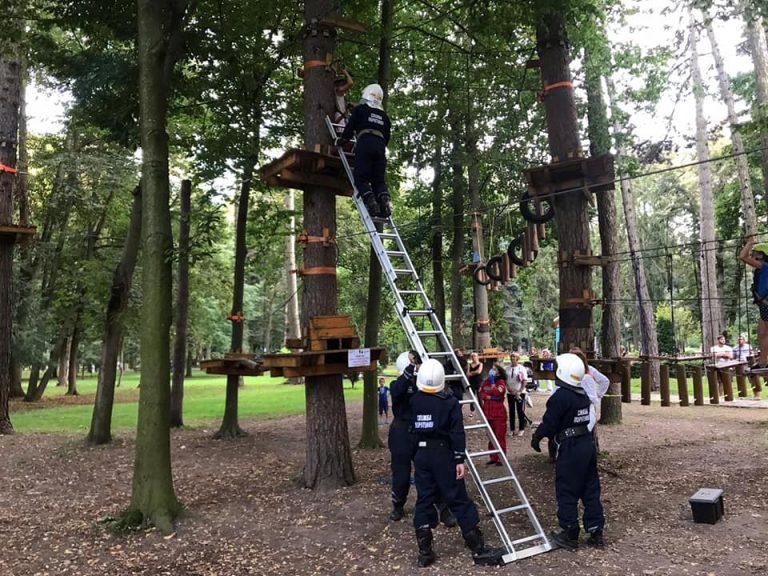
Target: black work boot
<point>567,538</point>
<point>371,205</point>
<point>424,540</point>
<point>482,554</point>
<point>446,517</point>
<point>596,538</point>
<point>397,513</point>
<point>385,206</point>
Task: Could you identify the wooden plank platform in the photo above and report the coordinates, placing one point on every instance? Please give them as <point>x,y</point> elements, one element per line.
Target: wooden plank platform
<point>18,233</point>
<point>235,365</point>
<point>591,174</point>
<point>318,363</point>
<point>299,168</point>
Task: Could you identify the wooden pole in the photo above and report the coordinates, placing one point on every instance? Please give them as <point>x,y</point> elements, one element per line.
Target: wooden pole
<point>741,381</point>
<point>682,385</point>
<point>663,384</point>
<point>626,382</point>
<point>725,375</point>
<point>756,388</point>
<point>645,383</point>
<point>714,393</point>
<point>698,388</point>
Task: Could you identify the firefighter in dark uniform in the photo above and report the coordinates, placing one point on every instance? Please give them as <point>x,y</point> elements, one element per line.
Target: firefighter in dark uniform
<point>401,441</point>
<point>371,127</point>
<point>566,419</point>
<point>439,461</point>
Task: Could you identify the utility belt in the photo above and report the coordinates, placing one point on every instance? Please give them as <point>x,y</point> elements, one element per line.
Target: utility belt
<point>378,133</point>
<point>572,432</point>
<point>433,443</point>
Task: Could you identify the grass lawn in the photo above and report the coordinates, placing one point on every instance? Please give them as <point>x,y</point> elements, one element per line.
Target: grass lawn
<point>261,396</point>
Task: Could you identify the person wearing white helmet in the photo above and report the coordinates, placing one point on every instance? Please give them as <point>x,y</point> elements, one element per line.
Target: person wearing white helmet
<point>371,126</point>
<point>755,255</point>
<point>567,421</point>
<point>439,463</point>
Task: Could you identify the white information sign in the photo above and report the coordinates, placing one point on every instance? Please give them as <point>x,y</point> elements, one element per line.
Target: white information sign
<point>359,357</point>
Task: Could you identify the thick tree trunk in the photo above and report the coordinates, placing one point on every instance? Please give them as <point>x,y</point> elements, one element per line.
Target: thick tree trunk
<point>481,329</point>
<point>370,431</point>
<point>74,359</point>
<point>648,340</point>
<point>10,96</point>
<point>742,164</point>
<point>457,217</point>
<point>101,419</point>
<point>438,273</point>
<point>62,370</point>
<point>182,308</point>
<point>759,52</point>
<point>600,143</point>
<point>230,427</point>
<point>16,391</point>
<point>328,457</point>
<point>710,301</point>
<point>571,210</point>
<point>153,499</point>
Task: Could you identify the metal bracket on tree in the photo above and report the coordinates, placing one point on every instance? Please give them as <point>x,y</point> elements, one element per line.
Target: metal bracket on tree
<point>325,239</point>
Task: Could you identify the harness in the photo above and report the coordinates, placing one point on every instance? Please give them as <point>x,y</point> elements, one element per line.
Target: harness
<point>434,443</point>
<point>372,131</point>
<point>572,432</point>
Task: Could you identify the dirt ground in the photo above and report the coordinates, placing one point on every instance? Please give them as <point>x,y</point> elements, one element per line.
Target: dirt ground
<point>246,514</point>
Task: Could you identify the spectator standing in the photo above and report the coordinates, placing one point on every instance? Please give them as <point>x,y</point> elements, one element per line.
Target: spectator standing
<point>383,400</point>
<point>742,351</point>
<point>474,374</point>
<point>721,353</point>
<point>517,377</point>
<point>547,366</point>
<point>491,394</point>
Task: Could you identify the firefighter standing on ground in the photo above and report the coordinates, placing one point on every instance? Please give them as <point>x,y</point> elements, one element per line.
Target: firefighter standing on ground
<point>370,125</point>
<point>567,420</point>
<point>439,462</point>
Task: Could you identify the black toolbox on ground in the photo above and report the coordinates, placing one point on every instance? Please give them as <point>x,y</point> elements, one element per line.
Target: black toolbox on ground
<point>707,505</point>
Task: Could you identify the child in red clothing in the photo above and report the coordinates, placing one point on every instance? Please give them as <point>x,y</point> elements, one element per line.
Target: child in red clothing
<point>492,391</point>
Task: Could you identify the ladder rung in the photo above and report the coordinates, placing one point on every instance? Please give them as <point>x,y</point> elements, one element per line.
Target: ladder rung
<point>468,401</point>
<point>398,253</point>
<point>400,271</point>
<point>483,453</point>
<point>410,292</point>
<point>497,480</point>
<point>532,551</point>
<point>512,509</point>
<point>454,376</point>
<point>432,354</point>
<point>429,333</point>
<point>419,312</point>
<point>528,539</point>
<point>474,426</point>
<point>387,236</point>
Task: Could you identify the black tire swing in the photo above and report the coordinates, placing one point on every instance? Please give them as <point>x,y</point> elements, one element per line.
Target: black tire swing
<point>528,209</point>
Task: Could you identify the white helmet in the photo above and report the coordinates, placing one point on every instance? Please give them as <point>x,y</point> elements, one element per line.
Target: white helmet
<point>402,362</point>
<point>373,95</point>
<point>570,369</point>
<point>431,377</point>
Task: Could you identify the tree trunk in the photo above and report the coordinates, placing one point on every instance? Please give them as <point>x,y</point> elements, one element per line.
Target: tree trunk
<point>438,274</point>
<point>74,359</point>
<point>101,419</point>
<point>571,210</point>
<point>457,216</point>
<point>742,163</point>
<point>710,301</point>
<point>481,329</point>
<point>292,328</point>
<point>230,427</point>
<point>328,457</point>
<point>10,96</point>
<point>647,320</point>
<point>62,371</point>
<point>153,500</point>
<point>757,48</point>
<point>600,143</point>
<point>369,437</point>
<point>182,308</point>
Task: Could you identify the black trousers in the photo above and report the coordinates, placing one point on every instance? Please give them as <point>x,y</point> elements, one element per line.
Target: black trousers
<point>516,407</point>
<point>402,446</point>
<point>576,479</point>
<point>371,166</point>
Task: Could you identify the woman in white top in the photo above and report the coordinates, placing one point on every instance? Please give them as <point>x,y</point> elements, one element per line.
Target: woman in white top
<point>517,377</point>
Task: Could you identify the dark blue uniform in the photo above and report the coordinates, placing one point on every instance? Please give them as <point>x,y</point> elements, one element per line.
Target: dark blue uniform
<point>440,445</point>
<point>400,441</point>
<point>372,128</point>
<point>576,478</point>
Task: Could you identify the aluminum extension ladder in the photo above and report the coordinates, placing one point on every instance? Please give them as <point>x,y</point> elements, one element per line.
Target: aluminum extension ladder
<point>422,326</point>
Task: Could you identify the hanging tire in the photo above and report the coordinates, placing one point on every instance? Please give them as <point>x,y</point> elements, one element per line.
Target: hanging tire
<point>528,209</point>
<point>514,246</point>
<point>492,266</point>
<point>476,275</point>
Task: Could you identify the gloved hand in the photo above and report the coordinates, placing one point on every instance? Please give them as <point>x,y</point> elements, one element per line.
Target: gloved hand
<point>340,141</point>
<point>535,441</point>
<point>492,377</point>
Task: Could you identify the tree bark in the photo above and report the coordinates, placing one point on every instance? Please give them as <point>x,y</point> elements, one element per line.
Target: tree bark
<point>230,426</point>
<point>649,345</point>
<point>571,209</point>
<point>600,143</point>
<point>759,52</point>
<point>182,309</point>
<point>73,360</point>
<point>292,328</point>
<point>10,97</point>
<point>710,301</point>
<point>62,371</point>
<point>328,456</point>
<point>438,271</point>
<point>457,217</point>
<point>101,419</point>
<point>153,500</point>
<point>737,142</point>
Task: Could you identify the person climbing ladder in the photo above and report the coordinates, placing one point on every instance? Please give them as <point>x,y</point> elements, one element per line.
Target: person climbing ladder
<point>371,126</point>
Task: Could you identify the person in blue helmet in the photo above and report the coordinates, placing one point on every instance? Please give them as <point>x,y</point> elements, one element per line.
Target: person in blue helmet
<point>401,441</point>
<point>371,126</point>
<point>567,419</point>
<point>439,462</point>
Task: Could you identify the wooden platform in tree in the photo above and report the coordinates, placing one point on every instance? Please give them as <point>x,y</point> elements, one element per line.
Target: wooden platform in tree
<point>300,168</point>
<point>591,174</point>
<point>319,363</point>
<point>235,364</point>
<point>492,354</point>
<point>17,232</point>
